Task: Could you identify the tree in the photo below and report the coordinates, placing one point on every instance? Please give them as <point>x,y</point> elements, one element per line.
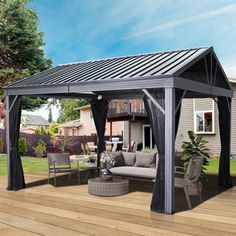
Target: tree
<point>21,46</point>
<point>40,131</point>
<point>50,115</point>
<point>68,109</point>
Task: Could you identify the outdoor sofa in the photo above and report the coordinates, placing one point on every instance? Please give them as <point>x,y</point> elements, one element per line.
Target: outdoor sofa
<point>135,165</point>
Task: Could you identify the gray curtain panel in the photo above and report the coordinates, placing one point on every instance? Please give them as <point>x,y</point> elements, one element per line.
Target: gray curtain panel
<point>16,179</point>
<point>224,106</point>
<point>99,110</point>
<point>157,122</point>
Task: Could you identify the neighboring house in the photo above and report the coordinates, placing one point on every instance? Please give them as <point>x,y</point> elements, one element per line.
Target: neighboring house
<point>201,115</point>
<point>88,126</point>
<point>29,123</point>
<point>70,128</point>
<point>28,130</point>
<point>85,125</point>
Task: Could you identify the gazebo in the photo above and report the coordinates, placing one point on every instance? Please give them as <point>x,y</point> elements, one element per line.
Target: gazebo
<point>162,80</point>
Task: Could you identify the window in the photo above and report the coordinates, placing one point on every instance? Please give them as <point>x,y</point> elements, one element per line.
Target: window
<point>148,140</point>
<point>204,122</point>
<point>74,131</point>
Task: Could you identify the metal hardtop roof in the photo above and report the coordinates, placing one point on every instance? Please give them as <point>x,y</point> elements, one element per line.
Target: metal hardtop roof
<point>196,69</point>
<point>153,64</point>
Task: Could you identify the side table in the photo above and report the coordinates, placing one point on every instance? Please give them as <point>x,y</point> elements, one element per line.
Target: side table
<point>114,187</point>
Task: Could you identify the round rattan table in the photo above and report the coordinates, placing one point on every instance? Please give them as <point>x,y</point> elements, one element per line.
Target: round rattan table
<point>114,187</point>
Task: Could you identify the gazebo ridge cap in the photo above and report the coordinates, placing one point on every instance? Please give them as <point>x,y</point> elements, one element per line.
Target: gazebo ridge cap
<point>132,55</point>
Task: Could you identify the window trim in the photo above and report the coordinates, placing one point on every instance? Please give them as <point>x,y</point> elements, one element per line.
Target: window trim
<point>204,111</point>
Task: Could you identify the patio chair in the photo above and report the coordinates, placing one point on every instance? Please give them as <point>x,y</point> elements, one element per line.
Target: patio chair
<point>91,147</point>
<point>134,147</point>
<point>60,163</point>
<point>108,147</point>
<point>190,183</point>
<point>114,147</point>
<point>87,150</point>
<point>83,150</point>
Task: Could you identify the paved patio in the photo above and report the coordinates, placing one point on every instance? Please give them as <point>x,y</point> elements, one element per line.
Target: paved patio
<point>68,209</point>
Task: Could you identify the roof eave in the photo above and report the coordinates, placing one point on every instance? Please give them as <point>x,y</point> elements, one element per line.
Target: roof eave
<point>89,87</point>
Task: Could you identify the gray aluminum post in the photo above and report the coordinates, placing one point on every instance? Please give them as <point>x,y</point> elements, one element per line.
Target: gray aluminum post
<point>169,149</point>
<point>8,134</point>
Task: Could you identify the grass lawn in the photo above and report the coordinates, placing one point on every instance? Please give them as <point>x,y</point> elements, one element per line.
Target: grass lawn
<point>214,164</point>
<point>30,165</point>
<point>34,165</point>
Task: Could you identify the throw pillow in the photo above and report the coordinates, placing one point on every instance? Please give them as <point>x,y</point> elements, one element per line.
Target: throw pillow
<point>145,159</point>
<point>119,159</point>
<point>129,158</point>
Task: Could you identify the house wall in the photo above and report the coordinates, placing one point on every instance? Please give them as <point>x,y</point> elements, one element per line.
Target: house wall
<point>136,131</point>
<point>68,131</point>
<point>88,127</point>
<point>187,123</point>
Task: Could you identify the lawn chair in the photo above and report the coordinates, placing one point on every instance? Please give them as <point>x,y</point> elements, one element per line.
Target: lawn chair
<point>60,163</point>
<point>108,147</point>
<point>83,150</point>
<point>134,147</point>
<point>87,150</point>
<point>191,182</point>
<point>114,147</point>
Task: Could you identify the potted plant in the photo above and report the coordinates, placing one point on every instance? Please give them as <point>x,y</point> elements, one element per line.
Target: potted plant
<point>195,147</point>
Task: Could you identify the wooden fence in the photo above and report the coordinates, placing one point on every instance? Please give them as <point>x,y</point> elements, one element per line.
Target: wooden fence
<point>72,143</point>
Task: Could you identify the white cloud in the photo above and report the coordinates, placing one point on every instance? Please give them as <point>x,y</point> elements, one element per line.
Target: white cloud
<point>200,17</point>
<point>231,71</point>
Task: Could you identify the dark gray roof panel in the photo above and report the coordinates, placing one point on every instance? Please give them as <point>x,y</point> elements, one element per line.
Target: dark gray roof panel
<point>154,64</point>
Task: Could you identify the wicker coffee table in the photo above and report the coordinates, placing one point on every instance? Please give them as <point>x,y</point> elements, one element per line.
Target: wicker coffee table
<point>114,187</point>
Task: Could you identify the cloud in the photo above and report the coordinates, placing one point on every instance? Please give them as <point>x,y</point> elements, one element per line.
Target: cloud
<point>173,24</point>
<point>231,71</point>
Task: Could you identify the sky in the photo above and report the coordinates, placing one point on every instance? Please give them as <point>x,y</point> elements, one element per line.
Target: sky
<point>78,30</point>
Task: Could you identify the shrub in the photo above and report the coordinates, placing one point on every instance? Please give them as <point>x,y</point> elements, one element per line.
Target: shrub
<point>196,147</point>
<point>23,146</point>
<point>40,131</point>
<point>40,149</point>
<point>1,145</point>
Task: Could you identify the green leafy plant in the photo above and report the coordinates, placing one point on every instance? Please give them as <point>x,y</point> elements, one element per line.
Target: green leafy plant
<point>40,131</point>
<point>195,147</point>
<point>40,149</point>
<point>23,146</point>
<point>1,145</point>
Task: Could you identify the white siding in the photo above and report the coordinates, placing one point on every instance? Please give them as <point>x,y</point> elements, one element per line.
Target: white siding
<point>185,123</point>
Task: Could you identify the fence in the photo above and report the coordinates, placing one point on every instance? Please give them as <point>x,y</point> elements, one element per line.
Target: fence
<point>71,143</point>
<point>31,139</point>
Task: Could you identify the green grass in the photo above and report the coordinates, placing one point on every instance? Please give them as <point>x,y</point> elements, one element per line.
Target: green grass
<point>214,165</point>
<point>30,165</point>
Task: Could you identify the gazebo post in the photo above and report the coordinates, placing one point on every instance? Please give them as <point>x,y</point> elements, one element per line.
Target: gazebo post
<point>169,149</point>
<point>8,134</point>
<point>224,106</point>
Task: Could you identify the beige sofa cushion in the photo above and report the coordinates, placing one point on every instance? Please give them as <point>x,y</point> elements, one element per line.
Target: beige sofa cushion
<point>129,158</point>
<point>132,171</point>
<point>145,159</point>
